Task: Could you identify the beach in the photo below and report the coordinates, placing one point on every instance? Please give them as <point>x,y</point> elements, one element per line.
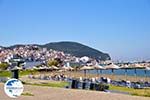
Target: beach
<point>88,75</point>
<point>55,93</point>
<point>48,93</point>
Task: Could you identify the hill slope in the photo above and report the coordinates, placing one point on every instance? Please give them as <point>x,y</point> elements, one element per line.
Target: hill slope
<point>77,49</point>
<point>73,48</point>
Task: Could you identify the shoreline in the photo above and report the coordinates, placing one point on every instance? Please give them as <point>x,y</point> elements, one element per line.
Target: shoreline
<point>112,77</point>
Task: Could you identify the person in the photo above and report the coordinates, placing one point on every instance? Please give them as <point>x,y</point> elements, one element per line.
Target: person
<point>93,80</point>
<point>80,79</point>
<point>108,80</point>
<point>128,83</point>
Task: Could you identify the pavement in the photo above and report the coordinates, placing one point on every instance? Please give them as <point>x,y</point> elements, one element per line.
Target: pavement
<point>48,93</point>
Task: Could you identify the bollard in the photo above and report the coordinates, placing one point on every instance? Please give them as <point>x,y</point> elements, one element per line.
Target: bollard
<point>15,74</point>
<point>83,85</point>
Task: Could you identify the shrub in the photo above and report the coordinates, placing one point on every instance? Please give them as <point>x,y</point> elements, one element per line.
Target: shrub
<point>103,87</point>
<point>3,66</point>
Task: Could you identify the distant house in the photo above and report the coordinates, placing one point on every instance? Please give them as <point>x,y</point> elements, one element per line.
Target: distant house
<point>74,64</point>
<point>30,65</point>
<point>84,59</point>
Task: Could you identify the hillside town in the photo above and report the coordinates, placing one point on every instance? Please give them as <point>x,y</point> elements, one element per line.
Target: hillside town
<point>32,55</point>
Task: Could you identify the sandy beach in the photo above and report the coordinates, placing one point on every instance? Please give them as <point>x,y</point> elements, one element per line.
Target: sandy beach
<point>113,77</point>
<point>47,93</point>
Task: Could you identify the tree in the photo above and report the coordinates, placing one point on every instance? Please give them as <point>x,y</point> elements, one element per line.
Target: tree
<point>3,66</point>
<point>52,63</point>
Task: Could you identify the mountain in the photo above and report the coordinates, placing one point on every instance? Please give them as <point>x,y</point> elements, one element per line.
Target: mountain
<point>15,46</point>
<point>73,48</point>
<point>77,49</point>
<point>1,47</point>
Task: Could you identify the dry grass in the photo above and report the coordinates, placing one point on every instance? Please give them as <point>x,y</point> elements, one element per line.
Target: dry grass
<point>27,94</point>
<point>137,92</point>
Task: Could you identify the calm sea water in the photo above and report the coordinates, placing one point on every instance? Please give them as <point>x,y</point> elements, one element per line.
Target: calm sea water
<point>130,72</point>
<point>29,65</point>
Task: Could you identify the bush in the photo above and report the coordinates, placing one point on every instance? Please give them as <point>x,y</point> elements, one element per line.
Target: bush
<point>103,87</point>
<point>52,63</point>
<point>3,66</point>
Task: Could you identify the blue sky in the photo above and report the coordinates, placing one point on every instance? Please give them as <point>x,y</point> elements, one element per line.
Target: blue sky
<point>118,27</point>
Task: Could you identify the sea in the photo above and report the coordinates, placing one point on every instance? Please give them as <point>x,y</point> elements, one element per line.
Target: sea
<point>129,72</point>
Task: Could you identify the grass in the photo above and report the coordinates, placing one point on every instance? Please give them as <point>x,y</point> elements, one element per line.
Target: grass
<point>118,88</point>
<point>5,73</point>
<point>51,84</point>
<point>141,92</point>
<point>27,94</point>
<point>136,92</point>
<point>27,72</point>
<point>21,73</point>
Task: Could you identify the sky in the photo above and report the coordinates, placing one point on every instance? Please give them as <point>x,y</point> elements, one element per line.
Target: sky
<point>118,27</point>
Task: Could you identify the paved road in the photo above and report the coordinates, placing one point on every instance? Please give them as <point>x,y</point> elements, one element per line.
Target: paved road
<point>47,93</point>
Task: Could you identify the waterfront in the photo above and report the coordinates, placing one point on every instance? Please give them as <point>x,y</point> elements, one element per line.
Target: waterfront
<point>130,72</point>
